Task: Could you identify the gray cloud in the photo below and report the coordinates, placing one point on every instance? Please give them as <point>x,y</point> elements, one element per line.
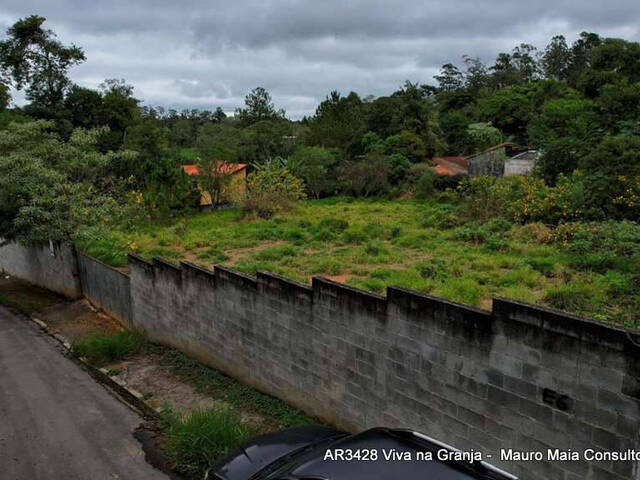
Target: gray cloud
<point>207,53</point>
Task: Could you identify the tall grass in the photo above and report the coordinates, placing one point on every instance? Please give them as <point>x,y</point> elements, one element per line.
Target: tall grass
<point>197,440</point>
<point>100,349</point>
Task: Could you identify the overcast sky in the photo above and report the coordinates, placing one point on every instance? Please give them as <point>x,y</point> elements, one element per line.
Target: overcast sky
<point>203,54</point>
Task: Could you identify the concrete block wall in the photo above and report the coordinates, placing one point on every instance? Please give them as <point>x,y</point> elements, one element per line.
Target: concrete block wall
<point>520,376</point>
<point>51,266</point>
<point>105,287</point>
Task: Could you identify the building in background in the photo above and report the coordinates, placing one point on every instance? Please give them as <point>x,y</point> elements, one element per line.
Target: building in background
<point>235,187</point>
<point>503,159</point>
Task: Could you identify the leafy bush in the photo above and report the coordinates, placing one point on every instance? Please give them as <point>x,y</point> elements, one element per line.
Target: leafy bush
<point>201,437</point>
<point>272,189</point>
<point>433,268</point>
<point>425,186</point>
<point>367,177</point>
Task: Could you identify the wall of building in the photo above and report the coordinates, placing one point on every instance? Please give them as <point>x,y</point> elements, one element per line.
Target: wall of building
<point>49,266</point>
<point>106,288</point>
<point>518,377</point>
<point>488,163</point>
<point>519,167</point>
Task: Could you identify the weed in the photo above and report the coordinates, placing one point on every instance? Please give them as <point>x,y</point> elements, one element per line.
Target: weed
<point>104,348</point>
<point>572,297</point>
<point>212,254</point>
<point>195,441</point>
<point>276,253</point>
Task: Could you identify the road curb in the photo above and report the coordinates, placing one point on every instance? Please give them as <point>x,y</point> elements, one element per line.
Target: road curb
<point>132,398</point>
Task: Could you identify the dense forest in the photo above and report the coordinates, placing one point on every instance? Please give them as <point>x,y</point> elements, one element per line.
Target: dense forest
<point>78,156</point>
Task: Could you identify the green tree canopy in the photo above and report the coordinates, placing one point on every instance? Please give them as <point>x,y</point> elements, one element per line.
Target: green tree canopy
<point>31,57</point>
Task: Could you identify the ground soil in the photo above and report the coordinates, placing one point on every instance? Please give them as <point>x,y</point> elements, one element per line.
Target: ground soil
<point>26,297</point>
<point>78,320</point>
<point>161,386</point>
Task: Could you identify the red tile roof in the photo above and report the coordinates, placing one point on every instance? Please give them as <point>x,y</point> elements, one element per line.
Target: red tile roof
<point>450,165</point>
<point>193,169</point>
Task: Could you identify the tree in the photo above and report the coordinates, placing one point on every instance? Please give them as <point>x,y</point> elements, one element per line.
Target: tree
<point>83,107</point>
<point>214,176</point>
<point>483,135</point>
<point>476,75</point>
<point>272,188</point>
<point>314,165</point>
<point>366,177</point>
<point>157,173</point>
<point>219,140</point>
<point>450,78</point>
<point>264,140</point>
<point>50,188</point>
<point>580,59</point>
<point>525,61</point>
<point>407,144</point>
<point>556,59</point>
<point>119,112</point>
<point>31,57</point>
<point>510,110</point>
<point>338,123</point>
<point>5,96</point>
<point>258,107</point>
<point>565,130</point>
<point>611,173</point>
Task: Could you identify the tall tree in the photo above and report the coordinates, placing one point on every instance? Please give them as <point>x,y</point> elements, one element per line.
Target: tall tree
<point>258,106</point>
<point>556,59</point>
<point>450,78</point>
<point>475,75</point>
<point>32,57</point>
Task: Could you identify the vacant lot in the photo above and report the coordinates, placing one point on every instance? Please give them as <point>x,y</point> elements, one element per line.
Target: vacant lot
<point>432,247</point>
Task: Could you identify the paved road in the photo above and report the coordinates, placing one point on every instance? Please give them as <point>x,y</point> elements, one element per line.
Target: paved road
<point>56,422</point>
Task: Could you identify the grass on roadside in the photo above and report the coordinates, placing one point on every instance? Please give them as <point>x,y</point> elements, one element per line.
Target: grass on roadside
<point>101,349</point>
<point>218,385</point>
<point>198,439</point>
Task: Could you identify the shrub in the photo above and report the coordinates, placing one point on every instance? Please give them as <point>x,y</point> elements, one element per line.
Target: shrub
<point>425,186</point>
<point>533,232</point>
<point>433,268</point>
<point>464,290</point>
<point>104,348</point>
<point>272,189</point>
<point>201,437</point>
<point>367,177</point>
<point>543,265</point>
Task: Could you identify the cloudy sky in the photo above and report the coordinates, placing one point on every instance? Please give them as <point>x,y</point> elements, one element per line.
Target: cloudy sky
<point>209,53</point>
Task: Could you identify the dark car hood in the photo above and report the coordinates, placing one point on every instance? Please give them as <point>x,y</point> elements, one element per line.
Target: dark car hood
<point>262,450</point>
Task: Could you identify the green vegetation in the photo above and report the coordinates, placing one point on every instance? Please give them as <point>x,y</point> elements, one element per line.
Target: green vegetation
<point>96,168</point>
<point>101,349</point>
<point>199,438</point>
<point>439,246</point>
<point>242,397</point>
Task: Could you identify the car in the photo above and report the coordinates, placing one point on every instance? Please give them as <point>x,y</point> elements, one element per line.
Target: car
<point>317,452</point>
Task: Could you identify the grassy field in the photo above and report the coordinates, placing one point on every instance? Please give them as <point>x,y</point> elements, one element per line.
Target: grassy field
<point>431,246</point>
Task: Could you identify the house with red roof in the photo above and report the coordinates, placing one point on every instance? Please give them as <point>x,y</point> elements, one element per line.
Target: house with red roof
<point>235,188</point>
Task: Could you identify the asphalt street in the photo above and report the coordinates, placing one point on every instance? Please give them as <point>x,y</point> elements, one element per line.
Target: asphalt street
<point>56,422</point>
